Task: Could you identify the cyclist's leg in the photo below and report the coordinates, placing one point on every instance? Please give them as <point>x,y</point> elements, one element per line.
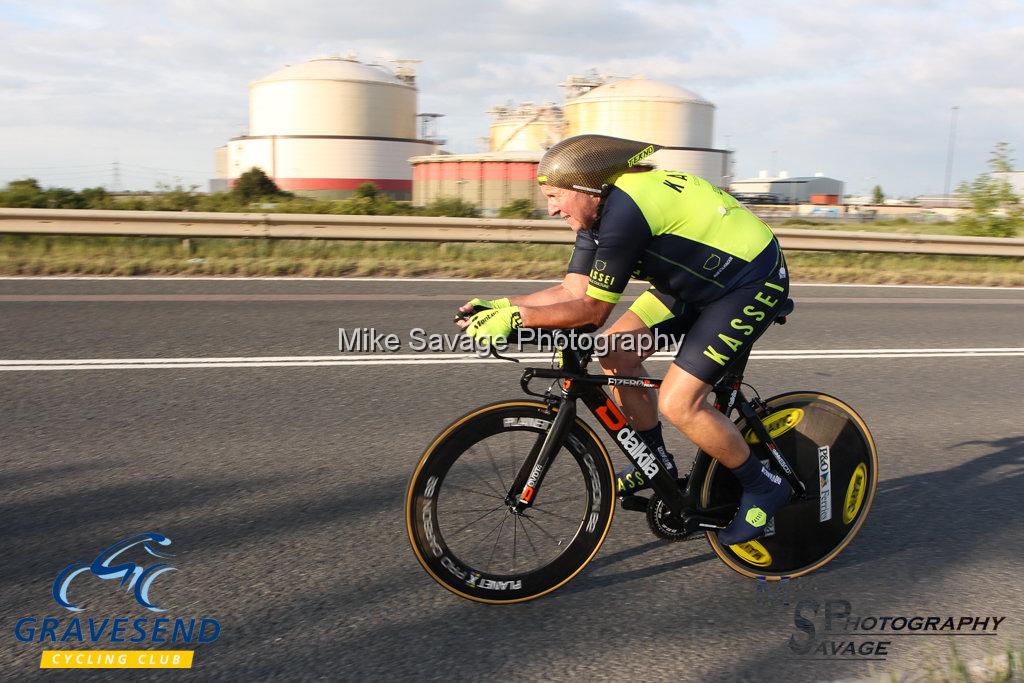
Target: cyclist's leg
<point>722,331</point>
<point>631,339</point>
<point>654,320</point>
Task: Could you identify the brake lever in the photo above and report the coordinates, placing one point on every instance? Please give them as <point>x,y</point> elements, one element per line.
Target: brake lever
<point>460,315</point>
<point>492,351</point>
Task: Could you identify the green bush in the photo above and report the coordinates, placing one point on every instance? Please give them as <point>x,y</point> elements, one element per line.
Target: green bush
<point>518,208</point>
<point>995,208</point>
<point>988,226</point>
<point>452,207</point>
<point>255,184</point>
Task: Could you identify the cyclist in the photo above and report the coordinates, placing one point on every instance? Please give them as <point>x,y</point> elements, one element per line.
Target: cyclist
<point>718,276</point>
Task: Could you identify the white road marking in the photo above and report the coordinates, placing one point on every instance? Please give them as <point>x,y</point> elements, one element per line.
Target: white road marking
<point>449,359</point>
<point>285,279</point>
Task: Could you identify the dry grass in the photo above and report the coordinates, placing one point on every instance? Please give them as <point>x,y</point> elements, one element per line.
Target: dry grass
<point>59,255</point>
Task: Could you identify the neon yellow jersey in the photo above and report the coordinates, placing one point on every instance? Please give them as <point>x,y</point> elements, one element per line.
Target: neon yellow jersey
<point>676,230</point>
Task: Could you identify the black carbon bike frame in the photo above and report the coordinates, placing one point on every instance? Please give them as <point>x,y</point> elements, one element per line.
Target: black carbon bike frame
<point>575,383</point>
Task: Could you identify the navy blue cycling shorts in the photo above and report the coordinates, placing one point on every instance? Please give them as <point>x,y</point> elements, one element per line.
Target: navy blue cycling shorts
<point>715,333</point>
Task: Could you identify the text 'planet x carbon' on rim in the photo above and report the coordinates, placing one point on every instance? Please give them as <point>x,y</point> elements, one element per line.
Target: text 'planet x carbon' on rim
<point>462,528</point>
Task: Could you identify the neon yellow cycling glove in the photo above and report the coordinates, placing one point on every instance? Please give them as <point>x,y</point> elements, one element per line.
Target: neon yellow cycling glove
<point>489,303</point>
<point>495,323</point>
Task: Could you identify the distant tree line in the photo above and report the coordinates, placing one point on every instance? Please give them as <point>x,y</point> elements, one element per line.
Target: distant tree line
<point>253,190</point>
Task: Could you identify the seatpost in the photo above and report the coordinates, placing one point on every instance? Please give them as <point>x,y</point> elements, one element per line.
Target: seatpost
<point>727,389</point>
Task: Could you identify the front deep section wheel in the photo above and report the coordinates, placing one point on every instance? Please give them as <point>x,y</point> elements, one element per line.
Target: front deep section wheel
<point>461,514</point>
<point>832,452</point>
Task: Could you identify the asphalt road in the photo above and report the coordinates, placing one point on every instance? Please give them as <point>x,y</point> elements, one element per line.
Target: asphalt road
<point>282,486</point>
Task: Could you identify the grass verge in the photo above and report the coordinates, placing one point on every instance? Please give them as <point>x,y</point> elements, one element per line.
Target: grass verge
<point>64,255</point>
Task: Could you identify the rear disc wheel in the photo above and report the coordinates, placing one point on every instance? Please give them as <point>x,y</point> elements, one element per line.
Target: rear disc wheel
<point>832,452</point>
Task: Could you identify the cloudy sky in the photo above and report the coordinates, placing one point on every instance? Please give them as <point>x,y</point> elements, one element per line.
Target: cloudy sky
<point>855,89</point>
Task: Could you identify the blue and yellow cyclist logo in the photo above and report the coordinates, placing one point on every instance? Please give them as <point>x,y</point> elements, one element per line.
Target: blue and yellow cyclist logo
<point>132,576</point>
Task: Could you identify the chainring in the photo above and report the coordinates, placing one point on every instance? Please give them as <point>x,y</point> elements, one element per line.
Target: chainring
<point>666,525</point>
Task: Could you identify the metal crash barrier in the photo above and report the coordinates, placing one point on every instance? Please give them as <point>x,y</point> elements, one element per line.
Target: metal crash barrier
<point>185,224</point>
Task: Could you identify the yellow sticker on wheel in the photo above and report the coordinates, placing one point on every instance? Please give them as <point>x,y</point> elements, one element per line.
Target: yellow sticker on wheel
<point>855,493</point>
<point>753,553</point>
<point>778,423</point>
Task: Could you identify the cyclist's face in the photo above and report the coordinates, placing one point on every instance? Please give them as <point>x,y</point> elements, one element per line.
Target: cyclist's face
<point>579,209</point>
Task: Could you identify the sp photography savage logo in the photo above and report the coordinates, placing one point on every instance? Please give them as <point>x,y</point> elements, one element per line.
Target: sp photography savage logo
<point>830,630</point>
<point>131,577</point>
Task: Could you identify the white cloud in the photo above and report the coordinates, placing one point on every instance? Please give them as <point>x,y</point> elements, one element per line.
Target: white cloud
<point>854,88</point>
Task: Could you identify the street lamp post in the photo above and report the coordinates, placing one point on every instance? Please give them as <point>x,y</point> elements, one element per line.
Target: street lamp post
<point>949,154</point>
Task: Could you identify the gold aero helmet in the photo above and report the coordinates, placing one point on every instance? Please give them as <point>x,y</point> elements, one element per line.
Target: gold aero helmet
<point>586,162</point>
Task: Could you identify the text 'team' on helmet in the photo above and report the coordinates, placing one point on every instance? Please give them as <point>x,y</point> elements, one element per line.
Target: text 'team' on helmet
<point>586,162</point>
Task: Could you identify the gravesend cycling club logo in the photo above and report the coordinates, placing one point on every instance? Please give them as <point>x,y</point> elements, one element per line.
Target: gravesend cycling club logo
<point>132,576</point>
<point>128,566</point>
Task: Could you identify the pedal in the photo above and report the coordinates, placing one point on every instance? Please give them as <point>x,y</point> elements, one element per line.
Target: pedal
<point>634,503</point>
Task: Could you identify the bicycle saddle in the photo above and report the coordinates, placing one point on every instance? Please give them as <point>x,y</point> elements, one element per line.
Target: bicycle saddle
<point>784,310</point>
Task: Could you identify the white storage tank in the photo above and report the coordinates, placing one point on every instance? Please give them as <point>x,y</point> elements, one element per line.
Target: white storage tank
<point>328,125</point>
<point>665,114</point>
<point>642,109</point>
<point>525,127</point>
<point>332,96</point>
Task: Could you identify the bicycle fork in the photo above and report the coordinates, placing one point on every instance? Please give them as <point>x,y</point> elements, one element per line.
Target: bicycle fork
<point>531,474</point>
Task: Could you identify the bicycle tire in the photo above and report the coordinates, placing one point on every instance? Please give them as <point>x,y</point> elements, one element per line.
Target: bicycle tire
<point>832,451</point>
<point>442,464</point>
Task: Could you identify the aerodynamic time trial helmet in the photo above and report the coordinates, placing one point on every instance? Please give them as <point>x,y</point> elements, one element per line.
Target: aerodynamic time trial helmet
<point>587,162</point>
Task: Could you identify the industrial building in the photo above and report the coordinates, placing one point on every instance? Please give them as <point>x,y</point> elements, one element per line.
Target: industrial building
<point>326,126</point>
<point>783,189</point>
<point>489,180</point>
<point>635,108</point>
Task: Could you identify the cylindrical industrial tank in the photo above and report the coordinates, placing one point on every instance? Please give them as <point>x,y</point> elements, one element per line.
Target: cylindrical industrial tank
<point>525,128</point>
<point>332,96</point>
<point>643,109</point>
<point>523,136</point>
<point>329,125</point>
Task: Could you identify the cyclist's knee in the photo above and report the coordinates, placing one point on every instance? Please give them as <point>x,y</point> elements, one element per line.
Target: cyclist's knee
<point>617,362</point>
<point>682,396</point>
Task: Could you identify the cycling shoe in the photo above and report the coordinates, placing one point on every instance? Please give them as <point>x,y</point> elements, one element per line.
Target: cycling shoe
<point>754,512</point>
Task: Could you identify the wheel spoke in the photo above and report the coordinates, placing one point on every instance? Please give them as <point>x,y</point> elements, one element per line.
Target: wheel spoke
<point>542,530</point>
<point>494,466</point>
<point>515,535</point>
<point>488,534</point>
<point>487,567</point>
<point>553,501</point>
<point>554,514</point>
<point>468,490</point>
<point>529,540</point>
<point>463,528</point>
<point>472,449</point>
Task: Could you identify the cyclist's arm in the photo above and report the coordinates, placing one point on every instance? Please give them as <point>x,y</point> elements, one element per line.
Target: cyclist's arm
<point>573,313</point>
<point>624,236</point>
<point>574,286</point>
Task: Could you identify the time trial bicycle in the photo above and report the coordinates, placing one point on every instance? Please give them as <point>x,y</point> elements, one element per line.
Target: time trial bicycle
<point>513,499</point>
